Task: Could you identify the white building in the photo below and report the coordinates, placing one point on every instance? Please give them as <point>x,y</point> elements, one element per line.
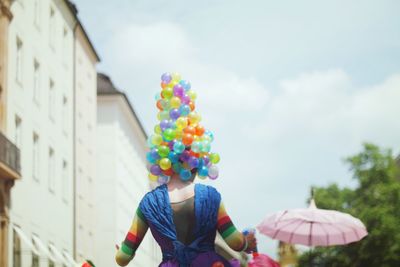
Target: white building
<point>39,118</point>
<point>85,111</point>
<point>121,176</point>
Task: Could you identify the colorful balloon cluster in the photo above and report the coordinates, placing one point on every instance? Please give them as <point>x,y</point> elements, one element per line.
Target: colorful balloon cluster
<point>180,144</point>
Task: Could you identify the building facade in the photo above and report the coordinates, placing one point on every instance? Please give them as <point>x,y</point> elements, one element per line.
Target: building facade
<point>39,121</point>
<point>121,176</point>
<point>9,152</point>
<point>85,112</point>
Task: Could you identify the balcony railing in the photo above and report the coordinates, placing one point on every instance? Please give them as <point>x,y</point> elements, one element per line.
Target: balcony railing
<point>9,159</point>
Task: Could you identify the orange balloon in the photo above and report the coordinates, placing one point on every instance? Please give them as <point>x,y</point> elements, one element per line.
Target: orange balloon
<point>159,106</point>
<point>163,85</point>
<point>191,105</point>
<point>190,130</point>
<point>187,139</point>
<point>200,130</point>
<point>164,144</point>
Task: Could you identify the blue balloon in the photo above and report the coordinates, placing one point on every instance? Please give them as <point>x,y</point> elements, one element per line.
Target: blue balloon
<point>154,153</point>
<point>184,109</point>
<point>173,157</point>
<point>179,147</point>
<point>185,84</point>
<point>177,167</point>
<point>185,174</point>
<point>150,158</point>
<point>203,171</point>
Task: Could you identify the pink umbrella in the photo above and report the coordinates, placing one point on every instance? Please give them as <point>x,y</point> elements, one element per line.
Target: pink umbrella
<point>313,227</point>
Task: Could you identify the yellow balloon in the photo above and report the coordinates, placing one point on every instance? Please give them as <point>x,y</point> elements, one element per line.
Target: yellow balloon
<point>192,94</point>
<point>165,164</point>
<point>175,102</point>
<point>181,122</point>
<point>156,139</point>
<point>157,129</point>
<point>178,135</point>
<point>152,177</point>
<point>194,118</point>
<point>176,77</point>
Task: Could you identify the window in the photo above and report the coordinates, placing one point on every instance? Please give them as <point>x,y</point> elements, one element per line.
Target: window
<point>18,63</point>
<point>16,250</point>
<point>65,181</point>
<point>51,174</point>
<point>65,42</point>
<point>36,81</point>
<point>36,13</point>
<point>35,257</point>
<point>36,153</point>
<point>65,114</point>
<point>18,131</point>
<point>52,28</point>
<point>52,99</point>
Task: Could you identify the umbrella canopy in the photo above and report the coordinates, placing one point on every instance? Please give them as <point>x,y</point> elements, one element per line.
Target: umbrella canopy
<point>313,227</point>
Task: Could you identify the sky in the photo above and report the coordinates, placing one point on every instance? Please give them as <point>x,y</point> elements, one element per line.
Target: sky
<point>289,88</point>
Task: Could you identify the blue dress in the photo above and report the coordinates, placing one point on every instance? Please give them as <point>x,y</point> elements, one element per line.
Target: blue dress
<point>158,212</point>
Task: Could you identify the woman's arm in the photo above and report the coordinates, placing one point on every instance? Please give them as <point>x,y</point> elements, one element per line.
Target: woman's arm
<point>235,239</point>
<point>132,240</point>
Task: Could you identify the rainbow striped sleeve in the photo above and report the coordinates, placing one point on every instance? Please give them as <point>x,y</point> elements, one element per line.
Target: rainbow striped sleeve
<point>133,239</point>
<point>228,231</point>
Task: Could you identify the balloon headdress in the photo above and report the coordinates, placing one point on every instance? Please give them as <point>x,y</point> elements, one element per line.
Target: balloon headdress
<point>180,144</point>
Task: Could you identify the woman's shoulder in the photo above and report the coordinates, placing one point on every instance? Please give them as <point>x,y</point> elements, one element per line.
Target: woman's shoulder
<point>153,193</point>
<point>209,190</point>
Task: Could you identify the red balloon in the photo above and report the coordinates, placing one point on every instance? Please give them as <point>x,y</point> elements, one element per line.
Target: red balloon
<point>168,172</point>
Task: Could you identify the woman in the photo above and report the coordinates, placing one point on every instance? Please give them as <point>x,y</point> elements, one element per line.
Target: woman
<point>183,216</point>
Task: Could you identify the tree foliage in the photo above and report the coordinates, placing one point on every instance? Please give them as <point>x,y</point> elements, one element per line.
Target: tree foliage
<point>375,201</point>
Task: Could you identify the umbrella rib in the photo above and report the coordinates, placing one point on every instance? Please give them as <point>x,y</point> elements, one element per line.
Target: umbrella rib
<point>310,235</point>
<point>292,233</point>
<point>283,214</point>
<point>340,231</point>
<point>326,233</point>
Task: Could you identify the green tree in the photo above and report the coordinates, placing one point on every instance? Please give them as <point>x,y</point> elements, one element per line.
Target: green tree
<point>375,201</point>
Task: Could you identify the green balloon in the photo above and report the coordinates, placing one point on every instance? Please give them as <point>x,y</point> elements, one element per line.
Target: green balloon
<point>169,134</point>
<point>163,151</point>
<point>214,158</point>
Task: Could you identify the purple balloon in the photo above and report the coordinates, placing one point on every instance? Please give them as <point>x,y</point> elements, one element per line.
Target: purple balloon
<point>155,170</point>
<point>185,99</point>
<point>178,90</point>
<point>193,162</point>
<point>171,145</point>
<point>164,124</point>
<point>185,155</point>
<point>166,77</point>
<point>206,160</point>
<point>174,113</point>
<point>154,153</point>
